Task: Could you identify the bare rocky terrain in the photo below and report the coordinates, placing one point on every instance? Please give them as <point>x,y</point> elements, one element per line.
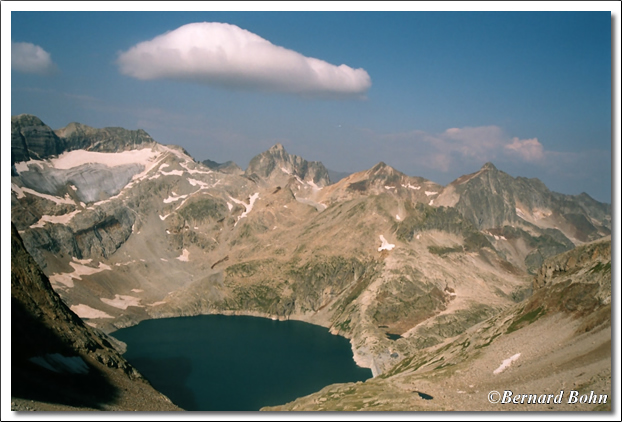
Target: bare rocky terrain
<point>128,229</point>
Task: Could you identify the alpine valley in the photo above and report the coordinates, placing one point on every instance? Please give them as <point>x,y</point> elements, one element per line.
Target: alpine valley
<point>489,283</point>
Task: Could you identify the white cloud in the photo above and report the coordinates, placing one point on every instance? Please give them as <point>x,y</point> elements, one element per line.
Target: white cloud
<point>30,58</point>
<point>475,145</point>
<point>528,149</point>
<point>227,55</point>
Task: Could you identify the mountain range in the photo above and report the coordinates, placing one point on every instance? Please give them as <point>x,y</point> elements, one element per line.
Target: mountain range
<point>128,229</point>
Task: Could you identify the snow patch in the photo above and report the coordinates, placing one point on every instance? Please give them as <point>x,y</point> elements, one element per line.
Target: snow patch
<point>137,290</point>
<point>284,170</point>
<point>162,302</point>
<point>174,198</point>
<point>385,245</point>
<point>23,165</point>
<point>55,219</point>
<point>389,187</point>
<point>56,199</point>
<point>431,202</point>
<point>184,256</point>
<point>194,171</point>
<point>172,173</point>
<point>78,271</point>
<point>164,259</point>
<point>397,217</point>
<point>122,301</point>
<point>18,191</point>
<point>85,311</point>
<point>248,207</point>
<point>409,186</point>
<point>314,186</point>
<point>431,193</point>
<point>506,364</point>
<point>56,362</point>
<point>163,217</point>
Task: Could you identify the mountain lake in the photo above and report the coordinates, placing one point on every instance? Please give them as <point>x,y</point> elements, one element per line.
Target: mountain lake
<point>237,363</point>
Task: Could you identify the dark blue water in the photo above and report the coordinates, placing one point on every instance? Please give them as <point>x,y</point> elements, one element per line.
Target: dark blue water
<point>237,363</point>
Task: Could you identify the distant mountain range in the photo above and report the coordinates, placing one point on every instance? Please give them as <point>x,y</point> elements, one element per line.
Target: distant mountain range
<point>128,229</point>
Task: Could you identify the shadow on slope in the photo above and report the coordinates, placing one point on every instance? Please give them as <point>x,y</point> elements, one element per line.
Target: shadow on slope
<point>31,338</point>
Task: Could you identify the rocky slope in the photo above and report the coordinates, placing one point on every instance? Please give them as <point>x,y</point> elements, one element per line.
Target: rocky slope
<point>136,230</point>
<point>58,362</point>
<point>228,167</point>
<point>557,340</point>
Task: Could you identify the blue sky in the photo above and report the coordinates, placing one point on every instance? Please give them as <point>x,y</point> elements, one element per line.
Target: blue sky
<point>432,94</point>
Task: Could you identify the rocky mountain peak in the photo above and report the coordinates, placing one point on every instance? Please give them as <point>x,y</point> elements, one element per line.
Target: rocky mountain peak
<point>26,120</point>
<point>277,163</point>
<point>109,139</point>
<point>382,169</point>
<point>31,139</point>
<point>489,166</point>
<point>277,148</point>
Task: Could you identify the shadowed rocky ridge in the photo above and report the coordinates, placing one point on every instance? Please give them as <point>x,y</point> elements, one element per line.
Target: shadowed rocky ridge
<point>60,361</point>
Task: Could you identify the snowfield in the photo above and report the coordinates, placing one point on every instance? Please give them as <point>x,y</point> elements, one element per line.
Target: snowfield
<point>386,246</point>
<point>506,364</point>
<point>122,301</point>
<point>184,257</point>
<point>85,311</point>
<point>79,157</point>
<point>248,207</point>
<point>78,271</point>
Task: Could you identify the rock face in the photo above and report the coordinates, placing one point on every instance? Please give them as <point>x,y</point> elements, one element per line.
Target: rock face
<point>58,359</point>
<point>32,139</point>
<point>127,229</point>
<point>491,198</point>
<point>526,211</point>
<point>110,139</point>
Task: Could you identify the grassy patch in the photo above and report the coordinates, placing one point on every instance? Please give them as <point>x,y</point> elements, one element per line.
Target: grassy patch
<point>481,346</point>
<point>526,319</point>
<point>441,250</point>
<point>344,326</point>
<point>601,268</point>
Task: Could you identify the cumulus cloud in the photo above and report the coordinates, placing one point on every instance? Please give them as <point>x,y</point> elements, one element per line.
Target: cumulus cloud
<point>30,58</point>
<point>528,149</point>
<point>227,55</point>
<point>473,145</point>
